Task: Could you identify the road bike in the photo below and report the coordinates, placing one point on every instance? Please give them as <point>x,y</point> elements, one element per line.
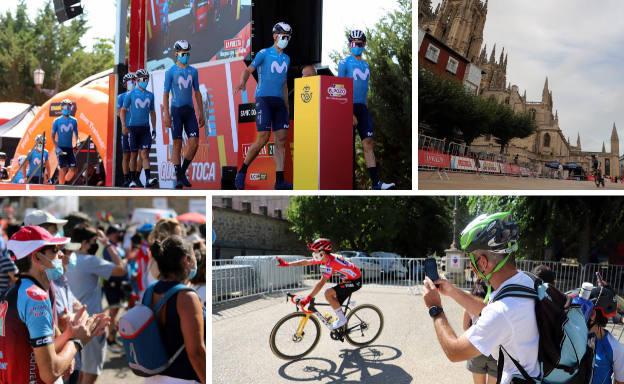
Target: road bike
<point>296,334</point>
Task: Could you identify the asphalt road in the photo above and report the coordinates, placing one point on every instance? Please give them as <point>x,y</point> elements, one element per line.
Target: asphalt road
<point>406,352</point>
<point>460,181</point>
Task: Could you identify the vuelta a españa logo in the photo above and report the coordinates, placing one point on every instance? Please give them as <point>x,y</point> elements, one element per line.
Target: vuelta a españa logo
<point>337,90</point>
<point>306,96</point>
<point>4,307</point>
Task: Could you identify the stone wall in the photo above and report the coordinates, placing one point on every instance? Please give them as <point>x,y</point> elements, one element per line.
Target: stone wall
<point>240,233</point>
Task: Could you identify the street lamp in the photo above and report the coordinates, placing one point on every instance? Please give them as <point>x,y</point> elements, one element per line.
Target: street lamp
<point>39,75</point>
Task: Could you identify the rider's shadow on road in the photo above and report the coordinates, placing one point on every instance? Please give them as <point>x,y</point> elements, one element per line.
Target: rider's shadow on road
<point>361,365</point>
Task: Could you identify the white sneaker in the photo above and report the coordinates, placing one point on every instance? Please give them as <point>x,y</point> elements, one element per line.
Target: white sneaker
<point>339,323</point>
<point>132,184</point>
<point>383,186</point>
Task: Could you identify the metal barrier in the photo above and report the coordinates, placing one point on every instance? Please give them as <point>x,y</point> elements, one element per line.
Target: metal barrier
<point>246,276</point>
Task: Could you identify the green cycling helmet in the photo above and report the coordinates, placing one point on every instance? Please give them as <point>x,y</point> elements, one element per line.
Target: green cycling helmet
<point>496,232</point>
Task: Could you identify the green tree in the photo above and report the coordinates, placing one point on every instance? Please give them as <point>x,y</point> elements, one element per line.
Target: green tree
<point>409,226</point>
<point>389,54</point>
<point>570,225</point>
<point>28,44</point>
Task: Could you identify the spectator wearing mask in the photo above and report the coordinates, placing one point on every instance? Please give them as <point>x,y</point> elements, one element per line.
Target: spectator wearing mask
<point>84,283</point>
<point>182,319</point>
<point>112,287</point>
<point>32,350</point>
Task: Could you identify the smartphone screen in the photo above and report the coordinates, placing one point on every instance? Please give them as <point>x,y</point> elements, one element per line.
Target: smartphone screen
<point>431,269</point>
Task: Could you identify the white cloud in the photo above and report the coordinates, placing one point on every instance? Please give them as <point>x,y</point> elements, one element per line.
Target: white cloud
<point>577,44</point>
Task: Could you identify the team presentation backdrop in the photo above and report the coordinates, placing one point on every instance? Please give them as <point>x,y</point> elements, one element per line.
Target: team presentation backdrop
<point>216,29</point>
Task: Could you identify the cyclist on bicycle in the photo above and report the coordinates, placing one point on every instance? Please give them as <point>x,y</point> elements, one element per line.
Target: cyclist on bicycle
<point>330,264</point>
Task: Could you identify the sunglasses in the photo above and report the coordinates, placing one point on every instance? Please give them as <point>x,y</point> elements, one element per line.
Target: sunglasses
<point>284,37</point>
<point>359,44</point>
<point>182,54</point>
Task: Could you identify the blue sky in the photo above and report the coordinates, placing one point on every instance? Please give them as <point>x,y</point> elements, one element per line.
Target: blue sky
<point>578,45</point>
<point>338,15</point>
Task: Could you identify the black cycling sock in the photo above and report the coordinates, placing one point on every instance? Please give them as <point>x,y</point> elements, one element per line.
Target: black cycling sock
<point>185,165</point>
<point>374,175</point>
<point>177,170</point>
<point>243,169</point>
<point>147,175</point>
<point>279,177</point>
<point>126,177</point>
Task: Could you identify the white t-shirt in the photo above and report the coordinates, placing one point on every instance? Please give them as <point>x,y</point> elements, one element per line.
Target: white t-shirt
<point>511,323</point>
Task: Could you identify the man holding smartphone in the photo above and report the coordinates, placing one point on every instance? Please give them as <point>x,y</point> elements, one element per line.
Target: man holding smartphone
<point>510,322</point>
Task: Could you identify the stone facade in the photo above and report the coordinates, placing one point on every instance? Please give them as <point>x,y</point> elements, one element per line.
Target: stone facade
<point>460,24</point>
<point>242,233</point>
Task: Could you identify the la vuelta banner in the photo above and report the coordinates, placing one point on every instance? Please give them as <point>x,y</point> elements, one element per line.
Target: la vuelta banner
<point>434,159</point>
<point>218,140</point>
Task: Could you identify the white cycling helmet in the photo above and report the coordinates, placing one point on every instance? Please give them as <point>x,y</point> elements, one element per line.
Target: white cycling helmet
<point>282,28</point>
<point>182,45</point>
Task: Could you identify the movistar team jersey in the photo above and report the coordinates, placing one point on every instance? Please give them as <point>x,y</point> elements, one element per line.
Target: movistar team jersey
<point>608,360</point>
<point>65,128</point>
<point>19,178</point>
<point>359,71</point>
<point>120,103</point>
<point>140,103</point>
<point>181,82</point>
<point>272,69</point>
<point>27,321</point>
<point>34,161</point>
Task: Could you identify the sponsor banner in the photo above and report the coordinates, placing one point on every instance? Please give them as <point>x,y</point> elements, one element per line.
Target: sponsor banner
<point>434,159</point>
<point>489,166</point>
<point>515,169</point>
<point>463,163</point>
<point>525,171</point>
<point>505,168</point>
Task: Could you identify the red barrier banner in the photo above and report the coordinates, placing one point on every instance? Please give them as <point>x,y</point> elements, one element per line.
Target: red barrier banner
<point>515,169</point>
<point>434,159</point>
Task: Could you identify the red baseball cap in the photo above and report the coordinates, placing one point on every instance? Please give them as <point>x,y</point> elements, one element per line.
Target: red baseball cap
<point>32,238</point>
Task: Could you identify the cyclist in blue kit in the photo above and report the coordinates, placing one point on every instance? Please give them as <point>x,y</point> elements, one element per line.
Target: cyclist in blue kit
<point>128,162</point>
<point>140,103</point>
<point>37,158</point>
<point>64,128</point>
<point>357,69</point>
<point>272,110</point>
<point>182,80</point>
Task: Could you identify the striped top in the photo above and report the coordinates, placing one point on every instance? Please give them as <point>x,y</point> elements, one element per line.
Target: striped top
<point>6,266</point>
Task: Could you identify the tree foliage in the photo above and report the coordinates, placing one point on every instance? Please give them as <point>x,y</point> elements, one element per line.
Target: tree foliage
<point>411,227</point>
<point>26,45</point>
<point>576,227</point>
<point>389,55</point>
<point>454,114</point>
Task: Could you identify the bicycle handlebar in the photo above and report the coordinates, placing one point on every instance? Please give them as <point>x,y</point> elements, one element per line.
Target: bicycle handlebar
<point>294,300</point>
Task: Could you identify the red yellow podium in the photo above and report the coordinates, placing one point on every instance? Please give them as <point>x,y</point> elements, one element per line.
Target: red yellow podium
<point>323,134</point>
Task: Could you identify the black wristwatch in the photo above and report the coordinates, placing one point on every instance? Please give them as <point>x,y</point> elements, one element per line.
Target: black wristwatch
<point>435,311</point>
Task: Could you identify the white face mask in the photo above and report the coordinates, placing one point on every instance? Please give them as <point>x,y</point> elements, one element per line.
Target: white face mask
<point>130,86</point>
<point>317,256</point>
<point>2,162</point>
<point>282,43</point>
<point>39,147</point>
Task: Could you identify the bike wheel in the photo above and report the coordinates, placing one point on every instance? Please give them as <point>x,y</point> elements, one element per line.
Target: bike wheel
<point>364,325</point>
<point>284,341</point>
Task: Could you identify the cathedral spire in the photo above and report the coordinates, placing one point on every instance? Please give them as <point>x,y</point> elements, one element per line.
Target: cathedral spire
<point>505,63</point>
<point>493,55</point>
<point>603,148</point>
<point>545,92</point>
<point>614,134</point>
<point>483,56</point>
<point>578,140</point>
<point>502,56</point>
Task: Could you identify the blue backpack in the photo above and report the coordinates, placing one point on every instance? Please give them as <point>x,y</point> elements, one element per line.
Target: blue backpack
<point>563,355</point>
<point>138,329</point>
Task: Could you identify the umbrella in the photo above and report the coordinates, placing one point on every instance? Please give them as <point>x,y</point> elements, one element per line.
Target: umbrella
<point>552,164</point>
<point>192,217</point>
<point>572,166</point>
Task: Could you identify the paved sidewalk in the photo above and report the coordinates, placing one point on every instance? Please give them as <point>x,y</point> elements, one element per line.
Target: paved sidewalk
<point>406,352</point>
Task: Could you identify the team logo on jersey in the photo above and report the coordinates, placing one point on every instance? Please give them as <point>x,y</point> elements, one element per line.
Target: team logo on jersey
<point>184,82</point>
<point>358,74</point>
<point>36,161</point>
<point>306,96</point>
<point>66,127</point>
<point>141,104</point>
<point>36,293</point>
<point>4,307</point>
<point>279,68</point>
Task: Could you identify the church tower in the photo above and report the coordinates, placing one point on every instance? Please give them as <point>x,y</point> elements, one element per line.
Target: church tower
<point>457,23</point>
<point>495,78</point>
<point>615,142</point>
